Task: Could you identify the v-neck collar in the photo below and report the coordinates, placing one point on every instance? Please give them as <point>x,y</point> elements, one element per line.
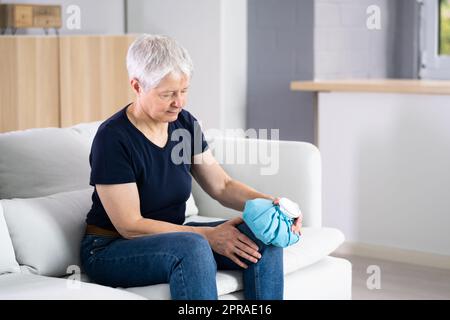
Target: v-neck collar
<point>169,131</point>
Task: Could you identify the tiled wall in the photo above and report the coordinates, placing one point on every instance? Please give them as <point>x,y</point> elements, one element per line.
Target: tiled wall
<point>280,50</point>
<point>346,48</point>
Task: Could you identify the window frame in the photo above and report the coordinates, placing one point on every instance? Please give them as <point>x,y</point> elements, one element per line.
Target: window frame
<point>433,65</point>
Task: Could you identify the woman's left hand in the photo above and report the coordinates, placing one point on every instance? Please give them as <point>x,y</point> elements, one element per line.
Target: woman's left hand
<point>228,241</point>
<point>297,225</point>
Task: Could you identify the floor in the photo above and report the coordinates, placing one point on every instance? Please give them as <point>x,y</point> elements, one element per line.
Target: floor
<point>399,281</point>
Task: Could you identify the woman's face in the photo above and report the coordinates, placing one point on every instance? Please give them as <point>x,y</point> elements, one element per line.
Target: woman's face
<point>164,102</point>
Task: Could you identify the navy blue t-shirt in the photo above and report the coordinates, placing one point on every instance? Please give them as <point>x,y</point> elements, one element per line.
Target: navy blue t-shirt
<point>121,153</point>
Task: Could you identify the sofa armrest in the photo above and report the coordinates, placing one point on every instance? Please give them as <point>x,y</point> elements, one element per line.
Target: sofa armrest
<point>279,168</point>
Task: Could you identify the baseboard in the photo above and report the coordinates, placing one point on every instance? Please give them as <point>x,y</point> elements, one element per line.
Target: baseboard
<point>394,254</point>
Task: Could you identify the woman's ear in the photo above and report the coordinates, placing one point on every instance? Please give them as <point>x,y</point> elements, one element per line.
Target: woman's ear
<point>136,86</point>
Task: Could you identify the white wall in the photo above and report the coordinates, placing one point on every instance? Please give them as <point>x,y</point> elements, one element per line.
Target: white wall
<point>97,17</point>
<point>386,176</point>
<point>215,34</point>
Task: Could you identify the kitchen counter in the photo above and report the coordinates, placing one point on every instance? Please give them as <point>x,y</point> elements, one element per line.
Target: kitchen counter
<point>380,86</point>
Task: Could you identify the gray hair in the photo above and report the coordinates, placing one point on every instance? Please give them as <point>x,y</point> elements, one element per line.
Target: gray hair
<point>151,57</point>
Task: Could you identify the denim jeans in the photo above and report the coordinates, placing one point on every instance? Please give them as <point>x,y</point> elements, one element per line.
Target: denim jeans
<point>184,260</point>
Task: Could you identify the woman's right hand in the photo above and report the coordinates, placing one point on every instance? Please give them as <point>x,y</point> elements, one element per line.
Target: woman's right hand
<point>227,240</point>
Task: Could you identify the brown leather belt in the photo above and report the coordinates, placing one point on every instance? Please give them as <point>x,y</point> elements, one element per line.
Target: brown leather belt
<point>94,230</point>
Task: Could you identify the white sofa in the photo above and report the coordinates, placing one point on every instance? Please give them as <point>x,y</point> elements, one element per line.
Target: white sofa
<point>44,186</point>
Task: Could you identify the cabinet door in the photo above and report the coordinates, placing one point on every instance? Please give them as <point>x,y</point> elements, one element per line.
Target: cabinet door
<point>23,16</point>
<point>94,78</point>
<point>29,83</point>
<point>47,17</point>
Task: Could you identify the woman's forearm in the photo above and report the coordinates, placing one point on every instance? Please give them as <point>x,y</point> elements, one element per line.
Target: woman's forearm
<point>145,227</point>
<point>236,193</point>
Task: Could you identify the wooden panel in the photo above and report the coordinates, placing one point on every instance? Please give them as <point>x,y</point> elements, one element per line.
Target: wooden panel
<point>94,78</point>
<point>29,82</point>
<point>384,85</point>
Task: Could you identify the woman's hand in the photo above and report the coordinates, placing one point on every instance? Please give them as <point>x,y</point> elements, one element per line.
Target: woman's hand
<point>297,225</point>
<point>227,240</point>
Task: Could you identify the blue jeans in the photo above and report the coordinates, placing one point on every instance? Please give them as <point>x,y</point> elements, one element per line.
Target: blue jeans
<point>184,260</point>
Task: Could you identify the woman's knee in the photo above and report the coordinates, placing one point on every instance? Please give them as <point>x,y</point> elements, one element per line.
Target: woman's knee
<point>243,227</point>
<point>195,246</point>
<point>262,247</point>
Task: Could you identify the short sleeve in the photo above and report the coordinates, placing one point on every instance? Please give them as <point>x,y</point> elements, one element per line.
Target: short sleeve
<point>198,142</point>
<point>110,159</point>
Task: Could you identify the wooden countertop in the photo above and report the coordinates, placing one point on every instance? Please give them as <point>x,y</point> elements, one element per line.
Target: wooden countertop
<point>435,87</point>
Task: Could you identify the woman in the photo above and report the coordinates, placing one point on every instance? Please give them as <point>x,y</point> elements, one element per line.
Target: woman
<point>135,234</point>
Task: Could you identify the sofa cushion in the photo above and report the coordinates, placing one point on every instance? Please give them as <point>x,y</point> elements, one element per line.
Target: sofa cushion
<point>328,279</point>
<point>8,261</point>
<point>202,219</point>
<point>34,287</point>
<point>191,207</point>
<point>87,130</point>
<point>41,162</point>
<point>46,232</point>
<point>314,245</point>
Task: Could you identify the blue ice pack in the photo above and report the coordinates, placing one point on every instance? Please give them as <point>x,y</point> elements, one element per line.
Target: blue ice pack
<point>269,224</point>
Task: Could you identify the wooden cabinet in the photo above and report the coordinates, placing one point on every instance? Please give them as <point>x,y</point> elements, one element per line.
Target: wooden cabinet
<point>16,16</point>
<point>52,81</point>
<point>21,16</point>
<point>30,16</point>
<point>47,17</point>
